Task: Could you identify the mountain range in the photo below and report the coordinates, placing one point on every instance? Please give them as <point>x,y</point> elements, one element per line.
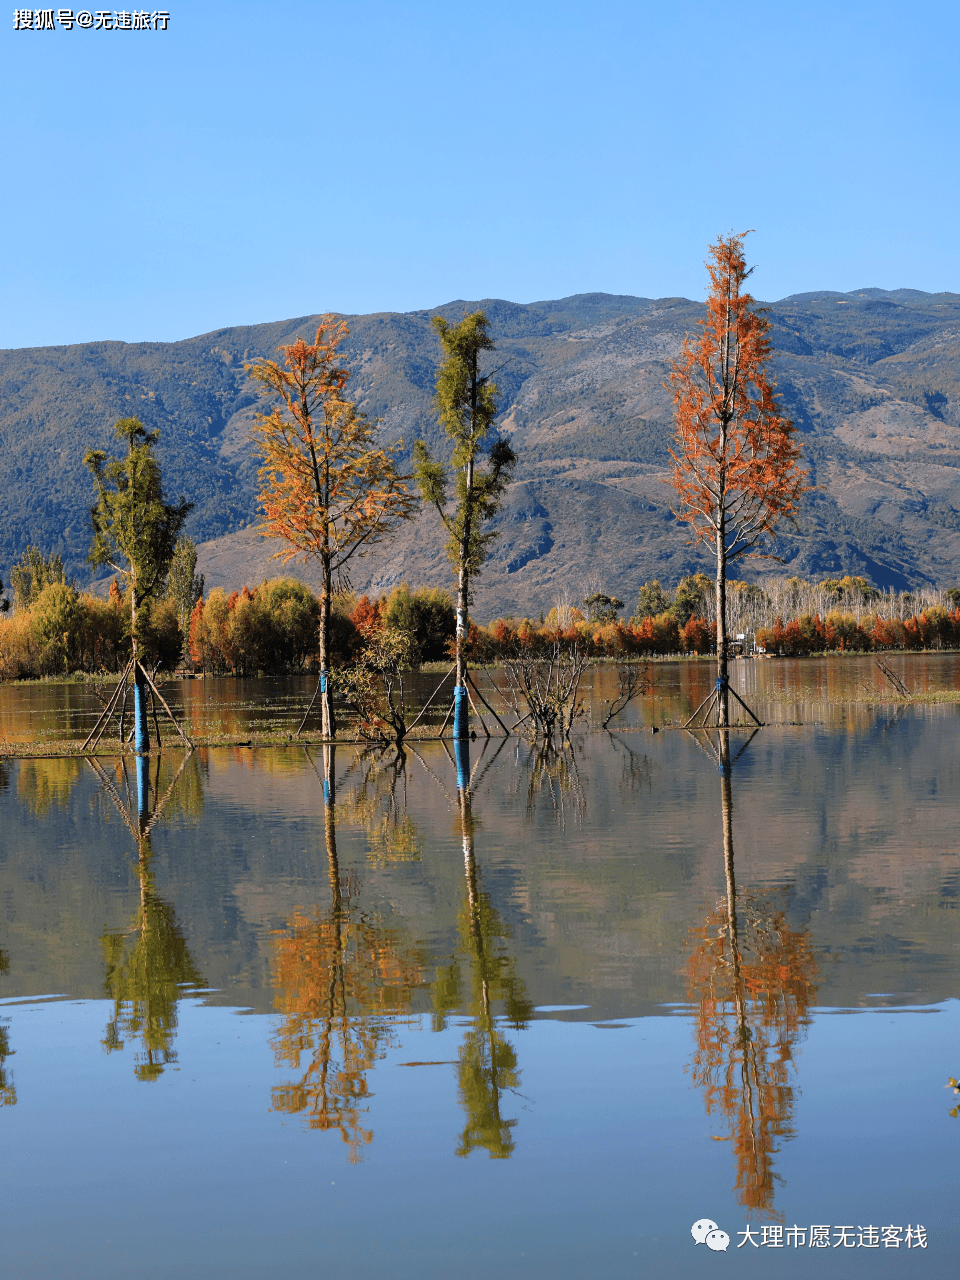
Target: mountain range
<point>871,378</point>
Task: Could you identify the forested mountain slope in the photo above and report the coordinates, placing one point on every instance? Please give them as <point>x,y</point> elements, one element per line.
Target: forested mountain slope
<point>871,378</point>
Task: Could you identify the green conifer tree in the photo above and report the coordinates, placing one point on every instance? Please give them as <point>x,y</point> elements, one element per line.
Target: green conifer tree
<point>134,533</point>
<point>467,403</point>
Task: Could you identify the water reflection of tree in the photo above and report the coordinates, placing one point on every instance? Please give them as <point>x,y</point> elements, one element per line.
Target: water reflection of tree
<point>481,964</point>
<point>149,963</point>
<point>376,801</point>
<point>637,775</point>
<point>553,777</point>
<point>46,784</point>
<point>342,979</point>
<point>753,979</point>
<point>8,1094</point>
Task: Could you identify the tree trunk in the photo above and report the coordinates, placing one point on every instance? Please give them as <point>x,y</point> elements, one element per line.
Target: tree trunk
<point>726,806</point>
<point>143,793</point>
<point>461,705</point>
<point>328,723</point>
<point>141,732</point>
<point>330,827</point>
<point>723,696</point>
<point>461,751</point>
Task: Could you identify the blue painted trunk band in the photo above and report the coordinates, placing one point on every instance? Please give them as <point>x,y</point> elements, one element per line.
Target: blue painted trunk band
<point>461,754</point>
<point>460,704</point>
<point>141,737</point>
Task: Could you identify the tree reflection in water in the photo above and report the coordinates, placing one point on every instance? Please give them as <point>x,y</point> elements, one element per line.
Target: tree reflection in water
<point>553,777</point>
<point>487,1060</point>
<point>45,784</point>
<point>8,1094</point>
<point>377,804</point>
<point>753,980</point>
<point>342,980</point>
<point>149,963</point>
<point>637,772</point>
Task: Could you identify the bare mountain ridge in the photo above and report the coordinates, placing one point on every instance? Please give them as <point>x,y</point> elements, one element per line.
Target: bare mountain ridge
<point>871,378</point>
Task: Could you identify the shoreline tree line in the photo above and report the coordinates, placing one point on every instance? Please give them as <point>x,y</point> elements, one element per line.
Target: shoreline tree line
<point>271,629</point>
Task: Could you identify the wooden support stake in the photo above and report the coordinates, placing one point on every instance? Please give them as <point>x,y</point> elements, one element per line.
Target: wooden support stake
<point>105,714</point>
<point>446,720</point>
<point>473,707</point>
<point>156,722</point>
<point>306,714</point>
<point>488,706</point>
<point>432,696</point>
<point>176,722</point>
<point>745,707</point>
<point>709,698</point>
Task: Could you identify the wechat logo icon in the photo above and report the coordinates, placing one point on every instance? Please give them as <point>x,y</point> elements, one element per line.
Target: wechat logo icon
<point>705,1231</point>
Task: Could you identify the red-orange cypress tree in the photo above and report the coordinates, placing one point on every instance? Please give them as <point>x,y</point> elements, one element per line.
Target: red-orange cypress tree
<point>735,456</point>
<point>327,487</point>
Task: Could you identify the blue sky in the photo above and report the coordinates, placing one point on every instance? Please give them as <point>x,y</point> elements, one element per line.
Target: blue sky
<point>256,162</point>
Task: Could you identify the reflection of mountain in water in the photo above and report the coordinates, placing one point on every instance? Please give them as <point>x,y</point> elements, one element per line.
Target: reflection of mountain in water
<point>866,838</point>
<point>753,980</point>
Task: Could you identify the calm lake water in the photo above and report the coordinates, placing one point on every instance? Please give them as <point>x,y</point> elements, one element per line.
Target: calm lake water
<point>781,691</point>
<point>533,1028</point>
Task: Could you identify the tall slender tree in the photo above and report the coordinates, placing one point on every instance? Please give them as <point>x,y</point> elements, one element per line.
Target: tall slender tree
<point>328,489</point>
<point>184,584</point>
<point>467,403</point>
<point>32,573</point>
<point>134,533</point>
<point>735,456</point>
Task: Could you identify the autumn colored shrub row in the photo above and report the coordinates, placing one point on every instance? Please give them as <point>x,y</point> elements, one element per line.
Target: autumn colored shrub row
<point>933,628</point>
<point>659,635</point>
<point>274,628</point>
<point>65,630</point>
<point>268,629</point>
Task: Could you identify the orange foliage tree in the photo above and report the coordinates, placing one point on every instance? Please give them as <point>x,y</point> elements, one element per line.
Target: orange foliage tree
<point>735,458</point>
<point>327,488</point>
